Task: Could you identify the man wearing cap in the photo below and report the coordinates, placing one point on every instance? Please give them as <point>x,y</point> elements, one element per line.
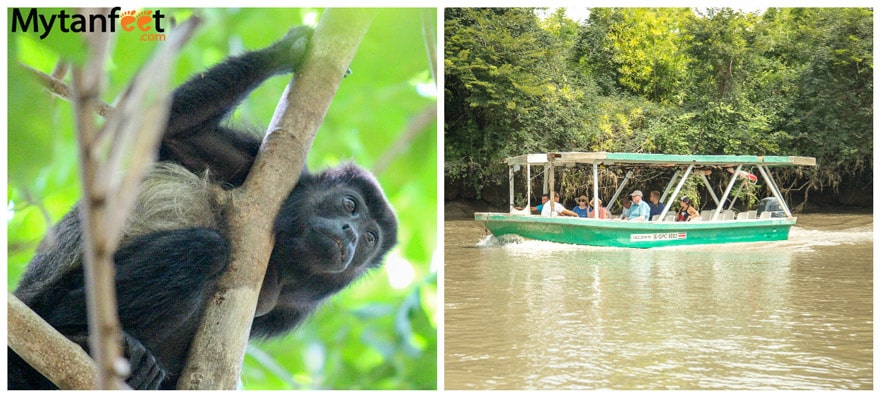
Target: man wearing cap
<point>639,210</point>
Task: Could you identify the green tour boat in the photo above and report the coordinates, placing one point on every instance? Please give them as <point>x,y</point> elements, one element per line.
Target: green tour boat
<point>771,221</point>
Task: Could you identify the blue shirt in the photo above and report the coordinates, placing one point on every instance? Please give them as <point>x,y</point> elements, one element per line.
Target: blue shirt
<point>641,209</point>
<point>582,212</point>
<point>656,209</point>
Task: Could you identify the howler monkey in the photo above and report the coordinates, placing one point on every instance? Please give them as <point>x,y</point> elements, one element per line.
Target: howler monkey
<point>334,226</point>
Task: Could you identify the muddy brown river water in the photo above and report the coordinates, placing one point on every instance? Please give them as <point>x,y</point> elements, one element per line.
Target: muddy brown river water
<point>798,314</point>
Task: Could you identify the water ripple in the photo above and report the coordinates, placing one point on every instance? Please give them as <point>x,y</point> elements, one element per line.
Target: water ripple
<point>796,314</point>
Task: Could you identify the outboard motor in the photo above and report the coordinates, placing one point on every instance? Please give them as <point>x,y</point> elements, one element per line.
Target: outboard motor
<point>771,204</point>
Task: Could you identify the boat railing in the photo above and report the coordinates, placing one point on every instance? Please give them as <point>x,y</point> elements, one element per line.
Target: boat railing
<point>705,216</point>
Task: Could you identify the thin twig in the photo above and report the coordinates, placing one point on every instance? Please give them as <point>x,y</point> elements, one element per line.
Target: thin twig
<point>60,70</point>
<point>413,129</point>
<point>139,124</point>
<point>62,90</point>
<point>132,132</point>
<point>104,330</point>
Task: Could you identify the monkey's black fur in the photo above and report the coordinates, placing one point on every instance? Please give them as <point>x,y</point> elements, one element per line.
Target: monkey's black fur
<point>333,227</point>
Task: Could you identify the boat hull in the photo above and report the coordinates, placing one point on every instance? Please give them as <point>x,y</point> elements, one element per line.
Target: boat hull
<point>613,233</point>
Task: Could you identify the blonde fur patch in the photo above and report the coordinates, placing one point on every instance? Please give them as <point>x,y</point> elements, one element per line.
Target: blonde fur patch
<point>172,197</point>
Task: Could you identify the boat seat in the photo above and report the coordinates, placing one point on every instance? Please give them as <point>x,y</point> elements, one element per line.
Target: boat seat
<point>727,215</point>
<point>524,211</point>
<point>708,214</point>
<point>669,218</point>
<point>766,215</point>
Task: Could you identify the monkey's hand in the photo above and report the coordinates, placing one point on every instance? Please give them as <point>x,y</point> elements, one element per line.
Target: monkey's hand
<point>290,51</point>
<point>146,373</point>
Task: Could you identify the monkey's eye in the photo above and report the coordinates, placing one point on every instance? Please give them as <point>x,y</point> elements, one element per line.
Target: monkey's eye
<point>371,239</point>
<point>350,204</point>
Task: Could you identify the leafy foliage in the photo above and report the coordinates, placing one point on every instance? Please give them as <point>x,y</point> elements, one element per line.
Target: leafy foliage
<point>710,81</point>
<point>505,91</point>
<point>380,333</point>
<point>646,51</point>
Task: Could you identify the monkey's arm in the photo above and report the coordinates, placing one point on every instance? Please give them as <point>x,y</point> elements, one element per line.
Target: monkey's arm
<point>194,137</point>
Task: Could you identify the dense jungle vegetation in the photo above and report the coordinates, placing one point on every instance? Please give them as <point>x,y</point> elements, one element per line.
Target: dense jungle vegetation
<point>793,81</point>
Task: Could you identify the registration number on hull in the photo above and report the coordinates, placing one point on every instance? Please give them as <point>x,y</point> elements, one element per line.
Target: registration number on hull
<point>658,236</point>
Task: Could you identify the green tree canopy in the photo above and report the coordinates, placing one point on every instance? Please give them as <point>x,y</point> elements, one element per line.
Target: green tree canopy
<point>506,91</point>
<point>662,80</point>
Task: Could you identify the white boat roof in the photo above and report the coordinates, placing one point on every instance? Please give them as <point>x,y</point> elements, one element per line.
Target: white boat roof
<point>610,158</point>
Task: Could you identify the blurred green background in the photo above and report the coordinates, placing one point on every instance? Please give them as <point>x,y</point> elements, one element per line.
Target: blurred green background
<point>380,333</point>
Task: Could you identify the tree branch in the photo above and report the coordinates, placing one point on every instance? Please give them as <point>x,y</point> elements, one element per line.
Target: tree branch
<point>217,351</point>
<point>129,139</point>
<point>65,363</point>
<point>56,86</point>
<point>104,334</point>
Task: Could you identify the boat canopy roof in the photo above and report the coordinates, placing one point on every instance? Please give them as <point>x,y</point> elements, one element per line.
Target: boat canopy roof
<point>608,158</point>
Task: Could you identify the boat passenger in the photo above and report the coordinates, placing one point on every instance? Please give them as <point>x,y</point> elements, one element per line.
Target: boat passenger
<point>656,206</point>
<point>558,207</point>
<point>686,212</point>
<point>639,210</point>
<point>603,212</point>
<point>544,199</point>
<point>536,209</point>
<point>625,203</point>
<point>582,209</point>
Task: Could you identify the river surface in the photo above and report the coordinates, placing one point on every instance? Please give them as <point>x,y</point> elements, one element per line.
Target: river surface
<point>798,314</point>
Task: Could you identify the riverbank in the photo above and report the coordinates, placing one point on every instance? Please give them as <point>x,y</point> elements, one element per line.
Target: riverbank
<point>464,209</point>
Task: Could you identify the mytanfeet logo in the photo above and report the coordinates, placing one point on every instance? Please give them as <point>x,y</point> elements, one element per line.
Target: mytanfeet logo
<point>149,23</point>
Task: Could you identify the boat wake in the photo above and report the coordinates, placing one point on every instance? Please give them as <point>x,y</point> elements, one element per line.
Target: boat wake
<point>518,243</point>
<point>494,241</point>
<point>808,238</point>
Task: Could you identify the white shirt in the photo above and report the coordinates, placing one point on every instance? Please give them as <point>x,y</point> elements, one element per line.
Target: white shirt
<point>557,207</point>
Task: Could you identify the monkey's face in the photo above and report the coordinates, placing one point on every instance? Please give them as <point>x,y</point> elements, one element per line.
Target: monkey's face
<point>340,233</point>
<point>337,223</point>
